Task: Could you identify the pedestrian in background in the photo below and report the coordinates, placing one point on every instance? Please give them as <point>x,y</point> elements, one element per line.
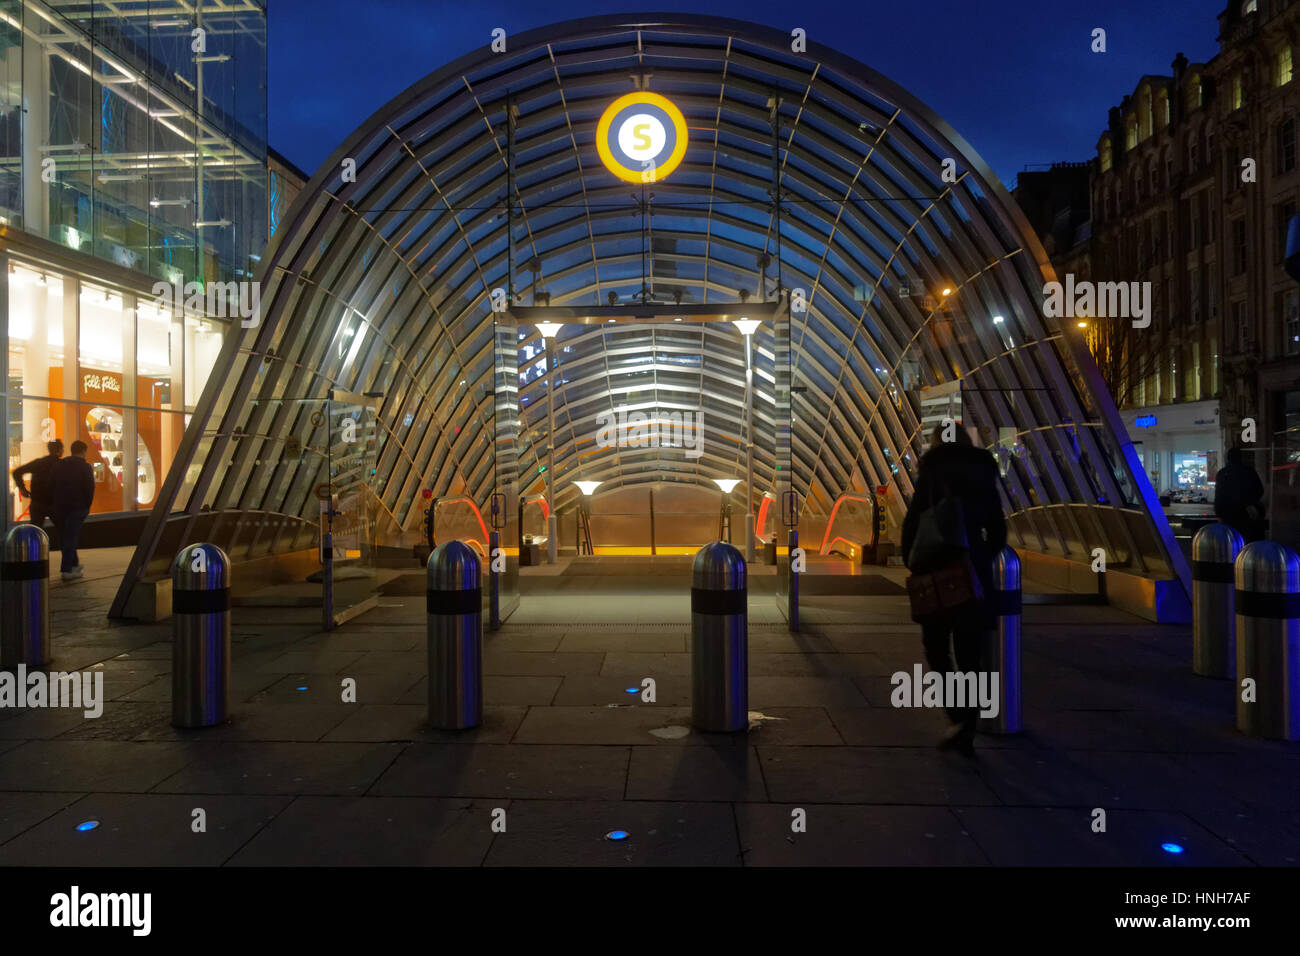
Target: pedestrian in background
<point>1239,497</point>
<point>955,472</point>
<point>39,489</point>
<point>74,493</point>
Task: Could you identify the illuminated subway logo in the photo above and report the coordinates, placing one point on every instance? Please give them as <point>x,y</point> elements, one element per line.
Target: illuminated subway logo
<point>641,137</point>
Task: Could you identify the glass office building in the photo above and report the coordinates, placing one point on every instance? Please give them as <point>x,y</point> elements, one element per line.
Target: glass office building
<point>133,151</point>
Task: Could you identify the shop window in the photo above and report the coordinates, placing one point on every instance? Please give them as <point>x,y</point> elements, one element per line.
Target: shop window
<point>104,434</point>
<point>1282,65</point>
<point>203,339</point>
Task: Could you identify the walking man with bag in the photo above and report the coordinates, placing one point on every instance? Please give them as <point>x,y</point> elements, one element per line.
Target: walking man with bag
<point>953,531</point>
<point>74,493</point>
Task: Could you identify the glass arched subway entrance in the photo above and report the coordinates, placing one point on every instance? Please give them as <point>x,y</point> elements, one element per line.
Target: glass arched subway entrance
<point>799,172</point>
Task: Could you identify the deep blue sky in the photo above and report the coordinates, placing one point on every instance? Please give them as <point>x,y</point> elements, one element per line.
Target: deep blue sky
<point>1016,78</point>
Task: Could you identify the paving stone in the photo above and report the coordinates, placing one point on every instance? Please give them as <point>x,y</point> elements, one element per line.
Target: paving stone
<point>312,662</point>
<point>143,829</point>
<point>539,664</point>
<point>515,639</point>
<point>769,692</point>
<point>259,722</point>
<point>660,640</point>
<point>374,831</point>
<point>506,771</point>
<point>122,721</point>
<point>870,775</point>
<point>838,835</point>
<point>406,722</point>
<point>724,773</point>
<point>1035,836</point>
<point>22,811</point>
<point>1044,778</point>
<point>328,689</point>
<point>350,638</point>
<point>38,724</point>
<point>1266,837</point>
<point>498,689</point>
<point>608,725</point>
<point>781,641</point>
<point>601,689</point>
<point>90,765</point>
<point>648,664</point>
<point>242,768</point>
<point>563,833</point>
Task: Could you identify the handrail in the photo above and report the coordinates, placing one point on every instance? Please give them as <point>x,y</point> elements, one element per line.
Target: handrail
<point>830,522</point>
<point>454,499</point>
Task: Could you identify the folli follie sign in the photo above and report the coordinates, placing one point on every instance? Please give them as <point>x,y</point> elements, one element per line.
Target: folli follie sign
<point>104,388</point>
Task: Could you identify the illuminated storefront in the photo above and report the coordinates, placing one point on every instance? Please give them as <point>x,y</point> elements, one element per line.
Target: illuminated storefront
<point>136,371</point>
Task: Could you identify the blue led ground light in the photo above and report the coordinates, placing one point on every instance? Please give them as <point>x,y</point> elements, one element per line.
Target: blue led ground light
<point>88,825</point>
<point>1171,848</point>
<point>617,835</point>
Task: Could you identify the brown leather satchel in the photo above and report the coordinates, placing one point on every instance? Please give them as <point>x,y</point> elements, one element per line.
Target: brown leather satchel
<point>945,593</point>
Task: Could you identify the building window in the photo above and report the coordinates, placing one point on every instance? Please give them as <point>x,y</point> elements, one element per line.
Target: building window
<point>1291,322</point>
<point>1286,146</point>
<point>1193,92</point>
<point>1238,92</point>
<point>1130,132</point>
<point>1162,108</point>
<point>1240,327</point>
<point>1239,247</point>
<point>1283,65</point>
<point>1214,366</point>
<point>1282,214</point>
<point>1146,116</point>
<point>1105,154</point>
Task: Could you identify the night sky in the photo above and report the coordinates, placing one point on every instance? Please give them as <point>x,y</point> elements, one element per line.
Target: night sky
<point>1016,78</point>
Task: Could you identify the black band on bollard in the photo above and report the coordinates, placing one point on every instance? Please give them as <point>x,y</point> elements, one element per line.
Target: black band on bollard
<point>1277,606</point>
<point>1213,572</point>
<point>1006,603</point>
<point>454,602</point>
<point>718,602</point>
<point>24,570</point>
<point>201,602</point>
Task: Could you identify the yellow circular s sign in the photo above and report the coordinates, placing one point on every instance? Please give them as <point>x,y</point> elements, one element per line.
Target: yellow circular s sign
<point>641,137</point>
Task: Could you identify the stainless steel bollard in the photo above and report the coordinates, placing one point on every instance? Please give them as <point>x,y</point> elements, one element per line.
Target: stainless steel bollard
<point>1268,640</point>
<point>455,606</point>
<point>1214,623</point>
<point>200,637</point>
<point>719,640</point>
<point>25,597</point>
<point>1001,652</point>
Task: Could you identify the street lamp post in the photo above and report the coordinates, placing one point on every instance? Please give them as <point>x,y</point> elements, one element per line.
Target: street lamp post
<point>747,327</point>
<point>548,330</point>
